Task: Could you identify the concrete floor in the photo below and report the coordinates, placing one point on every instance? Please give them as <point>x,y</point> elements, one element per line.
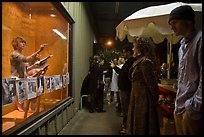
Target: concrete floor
<point>106,123</point>
<point>85,123</point>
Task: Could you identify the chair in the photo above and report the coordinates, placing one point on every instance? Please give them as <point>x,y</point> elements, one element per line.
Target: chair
<point>82,96</point>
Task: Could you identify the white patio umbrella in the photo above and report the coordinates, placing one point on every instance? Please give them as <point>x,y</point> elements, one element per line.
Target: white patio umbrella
<point>153,21</point>
<point>138,23</point>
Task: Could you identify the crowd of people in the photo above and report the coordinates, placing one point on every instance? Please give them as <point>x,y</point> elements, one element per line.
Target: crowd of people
<point>135,82</point>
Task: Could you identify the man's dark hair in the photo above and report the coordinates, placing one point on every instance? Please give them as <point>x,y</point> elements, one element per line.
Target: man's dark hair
<point>128,47</point>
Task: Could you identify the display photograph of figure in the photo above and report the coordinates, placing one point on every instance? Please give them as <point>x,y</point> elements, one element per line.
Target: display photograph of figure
<point>40,85</point>
<point>48,83</point>
<point>67,78</point>
<point>21,89</point>
<point>8,91</point>
<point>32,88</point>
<point>52,83</point>
<point>64,81</point>
<point>5,95</point>
<point>57,82</point>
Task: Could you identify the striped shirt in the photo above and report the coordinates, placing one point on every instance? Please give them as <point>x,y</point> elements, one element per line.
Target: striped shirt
<point>189,92</point>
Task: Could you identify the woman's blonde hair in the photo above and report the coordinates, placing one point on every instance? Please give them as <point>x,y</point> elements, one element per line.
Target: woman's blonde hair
<point>121,61</point>
<point>16,41</point>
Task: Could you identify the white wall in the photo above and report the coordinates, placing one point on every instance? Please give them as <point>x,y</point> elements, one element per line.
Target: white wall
<point>83,38</point>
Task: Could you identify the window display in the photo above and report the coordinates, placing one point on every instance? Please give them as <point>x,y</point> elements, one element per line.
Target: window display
<point>48,83</point>
<point>21,89</point>
<point>64,80</point>
<point>31,35</point>
<point>40,85</point>
<point>32,91</point>
<point>8,91</point>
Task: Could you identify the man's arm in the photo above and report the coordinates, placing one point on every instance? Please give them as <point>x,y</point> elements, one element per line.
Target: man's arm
<point>195,103</point>
<point>117,69</point>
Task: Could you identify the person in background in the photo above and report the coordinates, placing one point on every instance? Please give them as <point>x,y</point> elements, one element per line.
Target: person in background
<point>121,62</point>
<point>100,88</point>
<point>114,84</point>
<point>18,63</point>
<point>96,85</point>
<point>188,103</point>
<point>164,71</point>
<point>124,83</point>
<point>142,116</point>
<point>93,78</point>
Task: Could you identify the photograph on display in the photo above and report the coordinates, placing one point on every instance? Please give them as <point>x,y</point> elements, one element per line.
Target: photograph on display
<point>52,81</point>
<point>6,99</point>
<point>64,80</point>
<point>40,85</point>
<point>67,78</point>
<point>8,91</point>
<point>21,88</point>
<point>58,82</point>
<point>32,92</point>
<point>48,83</point>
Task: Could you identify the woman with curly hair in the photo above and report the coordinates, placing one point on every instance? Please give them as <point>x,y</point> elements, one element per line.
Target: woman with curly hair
<point>18,63</point>
<point>142,112</point>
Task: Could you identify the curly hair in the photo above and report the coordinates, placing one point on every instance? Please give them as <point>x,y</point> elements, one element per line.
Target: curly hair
<point>16,41</point>
<point>146,47</point>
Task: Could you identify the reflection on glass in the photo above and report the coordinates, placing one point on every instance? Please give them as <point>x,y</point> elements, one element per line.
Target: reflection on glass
<point>35,22</point>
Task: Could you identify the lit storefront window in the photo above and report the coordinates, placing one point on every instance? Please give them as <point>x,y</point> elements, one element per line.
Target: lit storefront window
<point>37,23</point>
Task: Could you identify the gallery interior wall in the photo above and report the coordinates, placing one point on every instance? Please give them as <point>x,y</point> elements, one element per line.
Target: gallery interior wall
<point>36,29</point>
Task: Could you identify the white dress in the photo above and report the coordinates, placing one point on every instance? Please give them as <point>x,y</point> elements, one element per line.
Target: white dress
<point>114,82</point>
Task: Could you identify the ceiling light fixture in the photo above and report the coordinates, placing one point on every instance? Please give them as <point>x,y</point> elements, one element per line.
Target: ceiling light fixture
<point>30,16</point>
<point>52,15</point>
<point>109,43</point>
<point>59,33</point>
<point>116,7</point>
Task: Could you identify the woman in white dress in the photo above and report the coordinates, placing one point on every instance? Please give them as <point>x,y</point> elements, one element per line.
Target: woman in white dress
<point>114,84</point>
<point>114,81</point>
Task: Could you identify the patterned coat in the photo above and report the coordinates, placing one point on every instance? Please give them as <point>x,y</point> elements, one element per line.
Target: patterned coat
<point>142,112</point>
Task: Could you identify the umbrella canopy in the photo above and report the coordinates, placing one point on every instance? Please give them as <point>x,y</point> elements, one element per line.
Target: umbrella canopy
<point>153,21</point>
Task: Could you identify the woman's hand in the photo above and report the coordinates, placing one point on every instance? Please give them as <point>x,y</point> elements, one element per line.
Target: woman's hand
<point>112,65</point>
<point>42,47</point>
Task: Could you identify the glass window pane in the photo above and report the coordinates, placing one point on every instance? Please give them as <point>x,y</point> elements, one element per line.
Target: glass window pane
<point>38,23</point>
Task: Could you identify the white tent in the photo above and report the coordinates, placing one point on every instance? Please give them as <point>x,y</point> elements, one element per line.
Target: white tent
<point>153,22</point>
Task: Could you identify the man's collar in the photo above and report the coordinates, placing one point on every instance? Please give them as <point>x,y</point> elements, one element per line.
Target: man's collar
<point>190,37</point>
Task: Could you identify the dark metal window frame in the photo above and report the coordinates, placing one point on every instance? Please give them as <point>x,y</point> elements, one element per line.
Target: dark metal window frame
<point>40,118</point>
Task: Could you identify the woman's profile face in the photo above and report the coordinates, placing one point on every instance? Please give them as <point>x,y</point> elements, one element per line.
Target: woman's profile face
<point>21,45</point>
<point>135,49</point>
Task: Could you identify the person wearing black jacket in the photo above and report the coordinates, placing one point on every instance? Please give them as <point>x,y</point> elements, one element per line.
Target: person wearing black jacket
<point>100,87</point>
<point>124,83</point>
<point>93,71</point>
<point>85,85</point>
<point>96,85</point>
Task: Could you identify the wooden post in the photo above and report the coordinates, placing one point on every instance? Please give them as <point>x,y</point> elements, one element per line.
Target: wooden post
<point>169,49</point>
<point>26,108</point>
